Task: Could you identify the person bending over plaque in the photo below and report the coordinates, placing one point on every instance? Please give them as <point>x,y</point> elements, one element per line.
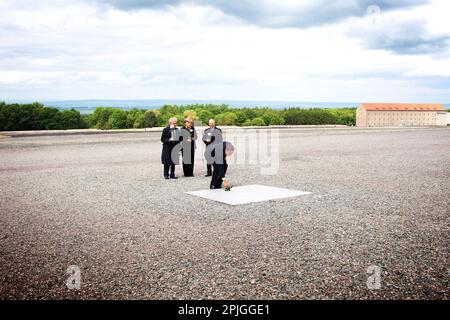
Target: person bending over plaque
<point>211,135</point>
<point>170,137</point>
<point>218,153</point>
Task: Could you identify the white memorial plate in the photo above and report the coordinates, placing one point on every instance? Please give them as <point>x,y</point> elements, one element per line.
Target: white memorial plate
<point>247,194</point>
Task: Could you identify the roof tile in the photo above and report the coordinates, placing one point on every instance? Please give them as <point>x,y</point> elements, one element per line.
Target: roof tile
<point>402,106</point>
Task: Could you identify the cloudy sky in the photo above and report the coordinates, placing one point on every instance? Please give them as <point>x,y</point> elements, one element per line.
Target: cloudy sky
<point>289,50</point>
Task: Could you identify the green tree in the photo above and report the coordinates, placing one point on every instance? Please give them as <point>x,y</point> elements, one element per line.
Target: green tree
<point>139,121</point>
<point>46,119</point>
<point>190,114</point>
<point>69,119</point>
<point>241,117</point>
<point>314,116</point>
<point>204,115</point>
<point>118,119</point>
<point>294,116</point>
<point>226,119</point>
<point>345,116</point>
<point>257,122</point>
<point>150,119</point>
<point>85,121</point>
<point>36,116</point>
<point>131,116</point>
<point>2,115</point>
<point>168,110</point>
<point>250,113</point>
<point>180,119</point>
<point>276,120</point>
<point>100,118</point>
<point>272,117</point>
<point>216,109</point>
<point>164,119</point>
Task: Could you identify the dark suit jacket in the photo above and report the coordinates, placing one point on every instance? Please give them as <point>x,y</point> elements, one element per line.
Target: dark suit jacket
<point>166,155</point>
<point>216,135</point>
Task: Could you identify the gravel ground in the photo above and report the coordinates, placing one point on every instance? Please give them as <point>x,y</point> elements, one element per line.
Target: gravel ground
<point>379,197</point>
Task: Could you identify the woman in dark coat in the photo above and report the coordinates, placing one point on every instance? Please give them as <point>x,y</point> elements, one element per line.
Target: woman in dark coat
<point>170,138</point>
<point>188,137</point>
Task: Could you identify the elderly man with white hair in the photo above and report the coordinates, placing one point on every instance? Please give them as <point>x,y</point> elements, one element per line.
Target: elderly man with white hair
<point>210,136</point>
<point>170,137</point>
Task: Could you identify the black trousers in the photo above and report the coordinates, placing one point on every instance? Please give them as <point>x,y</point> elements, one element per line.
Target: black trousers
<point>218,174</point>
<point>166,170</point>
<point>209,169</point>
<point>188,170</point>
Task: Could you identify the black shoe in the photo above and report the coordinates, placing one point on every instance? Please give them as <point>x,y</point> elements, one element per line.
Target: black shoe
<point>208,175</point>
<point>166,177</point>
<point>173,177</point>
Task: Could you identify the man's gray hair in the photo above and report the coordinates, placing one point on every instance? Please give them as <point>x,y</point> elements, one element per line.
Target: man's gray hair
<point>229,146</point>
<point>173,119</point>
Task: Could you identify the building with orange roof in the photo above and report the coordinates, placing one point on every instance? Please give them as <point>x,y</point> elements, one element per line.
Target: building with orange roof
<point>400,114</point>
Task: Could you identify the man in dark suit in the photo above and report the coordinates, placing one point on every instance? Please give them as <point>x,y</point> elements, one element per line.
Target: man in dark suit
<point>170,137</point>
<point>211,135</point>
<point>219,153</point>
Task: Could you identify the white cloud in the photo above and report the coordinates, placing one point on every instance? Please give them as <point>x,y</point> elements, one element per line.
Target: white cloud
<point>77,50</point>
<point>431,68</point>
<point>277,14</point>
<point>419,30</point>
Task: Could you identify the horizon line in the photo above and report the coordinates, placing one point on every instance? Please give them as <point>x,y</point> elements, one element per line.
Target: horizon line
<point>215,100</point>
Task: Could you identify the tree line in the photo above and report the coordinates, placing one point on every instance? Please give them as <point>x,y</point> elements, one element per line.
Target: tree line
<point>36,116</point>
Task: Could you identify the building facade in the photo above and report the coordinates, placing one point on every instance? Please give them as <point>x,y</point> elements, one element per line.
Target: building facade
<point>400,115</point>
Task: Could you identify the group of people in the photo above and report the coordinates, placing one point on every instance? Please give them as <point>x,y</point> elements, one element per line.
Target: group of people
<point>176,141</point>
